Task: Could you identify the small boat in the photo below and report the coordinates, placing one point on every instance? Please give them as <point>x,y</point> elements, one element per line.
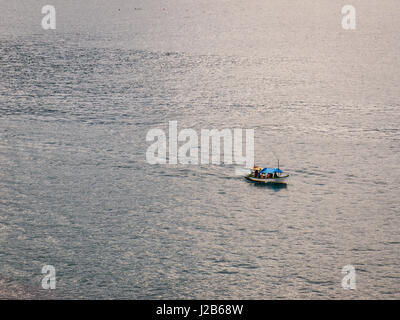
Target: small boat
<point>267,175</point>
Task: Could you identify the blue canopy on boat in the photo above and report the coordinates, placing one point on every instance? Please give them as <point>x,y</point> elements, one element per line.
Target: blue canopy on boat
<point>271,170</point>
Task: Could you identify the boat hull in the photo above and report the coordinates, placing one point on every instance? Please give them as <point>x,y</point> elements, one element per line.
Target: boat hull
<point>281,180</point>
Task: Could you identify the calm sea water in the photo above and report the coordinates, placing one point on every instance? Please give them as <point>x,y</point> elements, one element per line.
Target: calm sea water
<point>77,193</point>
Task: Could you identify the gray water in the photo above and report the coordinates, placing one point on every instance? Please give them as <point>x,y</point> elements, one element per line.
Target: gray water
<point>76,191</point>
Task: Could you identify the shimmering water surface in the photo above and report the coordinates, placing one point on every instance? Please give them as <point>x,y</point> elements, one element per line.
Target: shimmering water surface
<point>77,193</point>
